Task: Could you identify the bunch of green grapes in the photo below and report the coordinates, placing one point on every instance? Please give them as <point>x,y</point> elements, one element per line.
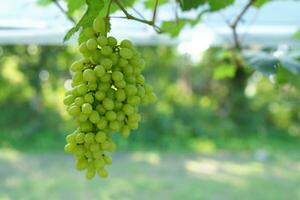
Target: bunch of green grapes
<point>107,88</point>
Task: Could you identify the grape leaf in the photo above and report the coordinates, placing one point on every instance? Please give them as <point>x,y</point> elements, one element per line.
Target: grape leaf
<point>224,71</point>
<point>264,63</point>
<point>190,4</point>
<point>74,5</point>
<point>218,5</point>
<point>94,7</point>
<point>151,3</point>
<point>290,64</point>
<point>260,3</point>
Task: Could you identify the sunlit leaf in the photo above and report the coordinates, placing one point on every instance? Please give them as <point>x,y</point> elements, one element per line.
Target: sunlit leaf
<point>191,4</point>
<point>94,6</point>
<point>219,4</point>
<point>151,3</point>
<point>224,71</point>
<point>74,5</point>
<point>260,3</point>
<point>264,63</point>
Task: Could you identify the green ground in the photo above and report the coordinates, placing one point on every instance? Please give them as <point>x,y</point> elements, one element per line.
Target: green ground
<point>150,175</point>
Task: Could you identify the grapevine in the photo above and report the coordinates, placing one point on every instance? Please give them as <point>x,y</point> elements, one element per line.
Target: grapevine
<point>107,89</point>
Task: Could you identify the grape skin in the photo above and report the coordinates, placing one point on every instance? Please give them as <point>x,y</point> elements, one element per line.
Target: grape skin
<point>107,89</point>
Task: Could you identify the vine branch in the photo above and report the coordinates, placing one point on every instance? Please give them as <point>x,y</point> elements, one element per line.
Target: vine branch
<point>64,11</point>
<point>235,23</point>
<point>131,17</point>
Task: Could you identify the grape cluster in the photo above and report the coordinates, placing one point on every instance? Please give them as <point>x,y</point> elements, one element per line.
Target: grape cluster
<point>107,88</point>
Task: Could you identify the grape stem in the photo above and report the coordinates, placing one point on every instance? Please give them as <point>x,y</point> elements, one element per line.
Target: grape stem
<point>131,17</point>
<point>63,11</point>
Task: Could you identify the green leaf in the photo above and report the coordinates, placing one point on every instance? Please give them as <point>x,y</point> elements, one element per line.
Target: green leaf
<point>219,4</point>
<point>94,7</point>
<point>191,4</point>
<point>44,2</point>
<point>290,64</point>
<point>264,63</point>
<point>151,3</point>
<point>224,71</point>
<point>284,76</point>
<point>74,5</point>
<point>260,3</point>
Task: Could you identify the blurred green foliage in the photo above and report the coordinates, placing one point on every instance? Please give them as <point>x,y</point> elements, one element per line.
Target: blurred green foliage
<point>197,101</point>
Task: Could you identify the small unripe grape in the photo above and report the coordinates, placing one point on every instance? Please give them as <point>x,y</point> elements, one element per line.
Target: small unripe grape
<point>120,95</point>
<point>86,126</point>
<point>76,66</point>
<point>108,104</point>
<point>89,75</point>
<point>110,115</point>
<point>107,159</point>
<point>134,100</point>
<point>71,138</point>
<point>125,131</point>
<point>120,84</point>
<point>87,108</point>
<point>128,70</point>
<point>80,137</point>
<point>102,123</point>
<point>105,145</point>
<point>83,117</point>
<point>114,58</point>
<point>83,48</point>
<point>88,98</point>
<point>117,76</point>
<point>99,25</point>
<point>99,70</point>
<point>112,41</point>
<point>81,164</point>
<point>69,99</point>
<point>90,174</point>
<point>102,172</point>
<point>141,92</point>
<point>126,53</point>
<point>128,109</point>
<point>133,125</point>
<point>126,44</point>
<point>99,95</point>
<point>104,86</point>
<point>106,63</point>
<point>82,89</point>
<point>123,62</point>
<point>91,44</point>
<point>94,147</point>
<point>120,116</point>
<point>100,109</point>
<point>140,79</point>
<point>106,78</point>
<point>74,110</point>
<point>102,41</point>
<point>89,138</point>
<point>130,89</point>
<point>106,50</point>
<point>118,105</point>
<point>114,125</point>
<point>88,32</point>
<point>92,86</point>
<point>100,137</point>
<point>94,117</point>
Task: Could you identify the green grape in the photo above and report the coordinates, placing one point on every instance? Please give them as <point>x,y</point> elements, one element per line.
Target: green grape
<point>83,117</point>
<point>89,138</point>
<point>106,50</point>
<point>94,117</point>
<point>100,137</point>
<point>86,126</point>
<point>130,89</point>
<point>102,172</point>
<point>94,147</point>
<point>118,105</point>
<point>69,99</point>
<point>99,70</point>
<point>74,110</point>
<point>71,138</point>
<point>89,32</point>
<point>128,70</point>
<point>83,48</point>
<point>99,95</point>
<point>110,115</point>
<point>104,86</point>
<point>106,78</point>
<point>90,173</point>
<point>120,95</point>
<point>88,98</point>
<point>91,44</point>
<point>107,159</point>
<point>126,44</point>
<point>99,25</point>
<point>123,62</point>
<point>114,125</point>
<point>102,41</point>
<point>126,53</point>
<point>125,131</point>
<point>82,89</point>
<point>114,58</point>
<point>140,79</point>
<point>120,84</point>
<point>89,75</point>
<point>87,108</point>
<point>141,92</point>
<point>102,123</point>
<point>117,76</point>
<point>69,148</point>
<point>106,63</point>
<point>92,86</point>
<point>112,41</point>
<point>134,100</point>
<point>76,66</point>
<point>128,109</point>
<point>108,104</point>
<point>81,164</point>
<point>120,116</point>
<point>79,137</point>
<point>77,77</point>
<point>100,109</point>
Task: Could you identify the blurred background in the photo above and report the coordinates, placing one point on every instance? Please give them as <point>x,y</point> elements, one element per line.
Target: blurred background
<point>211,135</point>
